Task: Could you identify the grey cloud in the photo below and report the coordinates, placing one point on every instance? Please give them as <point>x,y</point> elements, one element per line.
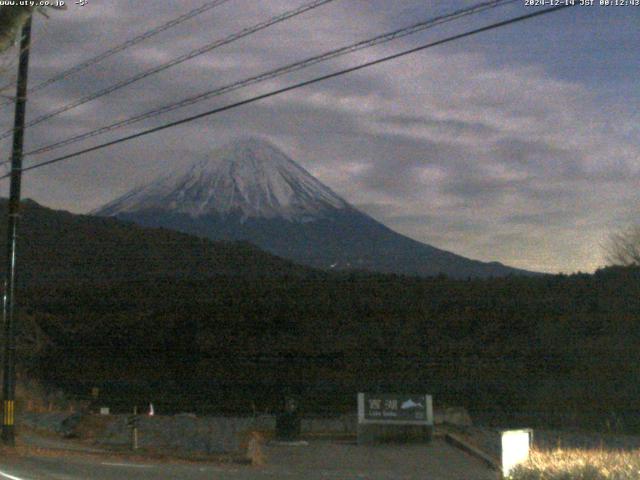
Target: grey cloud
<point>537,155</point>
<point>557,218</point>
<point>480,187</point>
<point>455,127</point>
<point>439,222</point>
<point>465,146</point>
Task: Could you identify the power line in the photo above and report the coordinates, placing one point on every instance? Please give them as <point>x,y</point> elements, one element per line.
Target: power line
<point>386,37</point>
<point>194,53</point>
<point>296,86</point>
<point>127,44</point>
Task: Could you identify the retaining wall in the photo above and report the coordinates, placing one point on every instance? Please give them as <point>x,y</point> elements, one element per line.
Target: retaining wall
<point>191,434</point>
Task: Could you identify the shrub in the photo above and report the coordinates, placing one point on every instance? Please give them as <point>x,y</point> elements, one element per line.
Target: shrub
<point>577,464</point>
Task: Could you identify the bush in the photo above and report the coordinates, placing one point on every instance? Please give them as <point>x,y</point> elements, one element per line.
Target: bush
<point>579,465</point>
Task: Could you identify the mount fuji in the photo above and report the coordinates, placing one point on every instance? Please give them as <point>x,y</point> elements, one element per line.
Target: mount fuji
<point>250,190</point>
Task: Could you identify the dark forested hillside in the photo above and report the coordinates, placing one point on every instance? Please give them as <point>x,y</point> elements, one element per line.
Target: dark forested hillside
<point>59,246</point>
<point>198,326</point>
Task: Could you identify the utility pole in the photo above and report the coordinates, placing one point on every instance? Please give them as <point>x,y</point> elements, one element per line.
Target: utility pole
<point>9,378</point>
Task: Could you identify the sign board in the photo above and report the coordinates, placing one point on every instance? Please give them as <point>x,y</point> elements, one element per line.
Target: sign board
<point>395,409</point>
<point>104,410</point>
<point>515,449</point>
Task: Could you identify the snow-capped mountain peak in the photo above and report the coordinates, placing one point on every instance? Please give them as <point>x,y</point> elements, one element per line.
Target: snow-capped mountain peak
<point>249,190</point>
<point>248,177</point>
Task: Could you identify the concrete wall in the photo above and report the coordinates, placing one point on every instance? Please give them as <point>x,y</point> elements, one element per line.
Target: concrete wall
<point>190,434</point>
<point>344,424</point>
<point>185,433</point>
<point>61,423</point>
<point>181,433</point>
<point>348,424</point>
<point>452,416</point>
<point>380,433</point>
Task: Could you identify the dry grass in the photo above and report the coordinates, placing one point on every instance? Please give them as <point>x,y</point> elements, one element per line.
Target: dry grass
<point>570,464</point>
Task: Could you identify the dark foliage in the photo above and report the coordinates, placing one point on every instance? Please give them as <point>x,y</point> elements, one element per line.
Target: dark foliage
<point>193,325</point>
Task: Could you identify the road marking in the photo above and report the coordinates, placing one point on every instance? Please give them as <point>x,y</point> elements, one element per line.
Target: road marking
<point>219,469</point>
<point>10,477</point>
<point>132,465</point>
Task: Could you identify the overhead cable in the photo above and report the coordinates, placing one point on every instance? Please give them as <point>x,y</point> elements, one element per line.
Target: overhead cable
<point>297,86</point>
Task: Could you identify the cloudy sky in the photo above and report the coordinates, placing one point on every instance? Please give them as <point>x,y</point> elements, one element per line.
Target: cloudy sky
<point>519,145</point>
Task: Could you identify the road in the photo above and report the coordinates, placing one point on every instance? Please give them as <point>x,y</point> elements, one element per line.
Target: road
<point>320,460</point>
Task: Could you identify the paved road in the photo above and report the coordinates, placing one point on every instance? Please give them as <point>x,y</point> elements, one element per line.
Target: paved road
<point>316,461</point>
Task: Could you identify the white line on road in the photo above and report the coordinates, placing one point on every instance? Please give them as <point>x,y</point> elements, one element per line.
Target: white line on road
<point>10,477</point>
<point>132,465</point>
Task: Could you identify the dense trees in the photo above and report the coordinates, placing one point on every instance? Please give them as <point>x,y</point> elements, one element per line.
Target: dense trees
<point>623,248</point>
<point>197,326</point>
<point>561,347</point>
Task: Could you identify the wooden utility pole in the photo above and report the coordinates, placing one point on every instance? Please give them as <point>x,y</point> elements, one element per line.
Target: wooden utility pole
<point>9,367</point>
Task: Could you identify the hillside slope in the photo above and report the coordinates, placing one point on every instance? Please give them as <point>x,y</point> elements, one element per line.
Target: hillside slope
<point>60,246</point>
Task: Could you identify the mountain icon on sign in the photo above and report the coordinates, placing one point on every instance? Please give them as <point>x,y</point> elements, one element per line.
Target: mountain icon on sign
<point>408,404</point>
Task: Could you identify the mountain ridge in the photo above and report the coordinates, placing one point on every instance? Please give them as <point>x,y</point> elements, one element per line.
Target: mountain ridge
<point>249,190</point>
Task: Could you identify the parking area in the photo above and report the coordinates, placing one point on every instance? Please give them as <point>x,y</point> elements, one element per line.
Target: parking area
<point>315,460</point>
<point>346,460</point>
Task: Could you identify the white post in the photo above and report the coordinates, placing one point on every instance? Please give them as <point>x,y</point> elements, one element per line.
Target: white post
<point>515,449</point>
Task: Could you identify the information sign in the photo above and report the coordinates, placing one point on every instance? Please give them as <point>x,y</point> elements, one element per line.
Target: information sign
<point>393,408</point>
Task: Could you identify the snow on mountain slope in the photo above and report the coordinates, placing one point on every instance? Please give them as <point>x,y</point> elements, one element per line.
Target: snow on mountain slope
<point>249,177</point>
<point>251,191</point>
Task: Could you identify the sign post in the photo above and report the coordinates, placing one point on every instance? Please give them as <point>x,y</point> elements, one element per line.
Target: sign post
<point>394,417</point>
<point>133,421</point>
